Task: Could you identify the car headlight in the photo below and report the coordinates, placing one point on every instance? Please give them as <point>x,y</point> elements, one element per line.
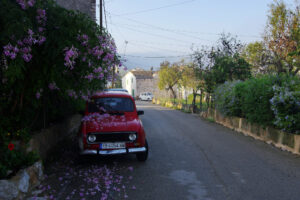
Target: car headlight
<point>92,138</point>
<point>132,136</point>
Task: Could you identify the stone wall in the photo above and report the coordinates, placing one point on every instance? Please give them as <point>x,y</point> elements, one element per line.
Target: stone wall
<point>46,139</point>
<point>144,85</point>
<point>85,6</point>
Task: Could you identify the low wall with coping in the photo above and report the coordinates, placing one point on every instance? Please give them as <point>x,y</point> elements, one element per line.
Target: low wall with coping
<point>270,135</point>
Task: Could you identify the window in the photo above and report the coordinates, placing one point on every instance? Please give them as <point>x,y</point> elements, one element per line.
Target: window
<point>111,104</point>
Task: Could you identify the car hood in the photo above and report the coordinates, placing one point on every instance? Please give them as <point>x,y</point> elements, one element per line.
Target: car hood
<point>112,123</point>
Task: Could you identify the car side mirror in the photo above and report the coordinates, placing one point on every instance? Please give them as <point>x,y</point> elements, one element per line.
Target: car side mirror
<point>140,112</point>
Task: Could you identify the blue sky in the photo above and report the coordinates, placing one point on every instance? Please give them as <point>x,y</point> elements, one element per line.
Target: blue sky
<point>149,32</point>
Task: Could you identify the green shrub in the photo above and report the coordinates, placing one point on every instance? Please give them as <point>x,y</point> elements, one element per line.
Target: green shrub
<point>266,100</point>
<point>255,99</point>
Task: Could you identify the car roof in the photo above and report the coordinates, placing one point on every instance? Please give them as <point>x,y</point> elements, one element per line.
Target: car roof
<point>111,94</point>
<point>116,89</point>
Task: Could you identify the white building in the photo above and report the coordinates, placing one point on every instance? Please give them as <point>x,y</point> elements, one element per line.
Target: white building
<point>138,81</point>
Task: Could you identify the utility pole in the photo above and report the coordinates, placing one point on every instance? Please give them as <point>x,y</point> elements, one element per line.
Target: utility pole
<point>101,19</point>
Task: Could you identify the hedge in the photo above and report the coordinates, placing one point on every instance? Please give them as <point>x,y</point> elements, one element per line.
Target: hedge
<point>266,100</point>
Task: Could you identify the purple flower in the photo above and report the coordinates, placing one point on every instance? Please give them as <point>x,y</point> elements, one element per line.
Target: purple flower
<point>70,55</point>
<point>22,4</point>
<point>16,49</point>
<point>41,29</point>
<point>20,43</point>
<point>27,57</point>
<point>30,3</point>
<point>37,95</point>
<point>97,70</point>
<point>52,86</point>
<point>26,50</point>
<point>8,47</point>
<point>13,55</point>
<point>30,32</point>
<point>41,40</point>
<point>28,40</point>
<point>6,53</point>
<point>89,77</point>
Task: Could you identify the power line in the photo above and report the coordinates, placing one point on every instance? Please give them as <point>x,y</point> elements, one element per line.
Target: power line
<point>182,34</point>
<point>157,8</point>
<point>157,35</point>
<point>181,31</point>
<point>151,47</point>
<point>160,57</point>
<point>188,45</point>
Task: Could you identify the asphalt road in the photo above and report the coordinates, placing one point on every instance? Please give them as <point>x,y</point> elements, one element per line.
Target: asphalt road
<point>189,158</point>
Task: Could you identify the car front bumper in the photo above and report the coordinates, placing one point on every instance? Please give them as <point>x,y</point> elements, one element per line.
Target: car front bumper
<point>113,151</point>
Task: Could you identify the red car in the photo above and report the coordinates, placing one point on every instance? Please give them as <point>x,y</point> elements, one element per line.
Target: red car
<point>111,125</point>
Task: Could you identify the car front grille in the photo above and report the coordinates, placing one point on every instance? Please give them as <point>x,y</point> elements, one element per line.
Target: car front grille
<point>112,137</point>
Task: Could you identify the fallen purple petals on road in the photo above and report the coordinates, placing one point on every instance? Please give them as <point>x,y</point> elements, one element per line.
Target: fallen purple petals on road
<point>66,179</point>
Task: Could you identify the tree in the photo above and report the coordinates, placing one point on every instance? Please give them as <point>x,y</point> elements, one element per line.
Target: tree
<point>219,64</point>
<point>190,80</point>
<point>169,76</point>
<point>282,37</point>
<point>259,57</point>
<point>227,61</point>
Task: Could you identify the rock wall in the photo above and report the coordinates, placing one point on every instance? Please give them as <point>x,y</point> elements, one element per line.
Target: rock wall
<point>22,182</point>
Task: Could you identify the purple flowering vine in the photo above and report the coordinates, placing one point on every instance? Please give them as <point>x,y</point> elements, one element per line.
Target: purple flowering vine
<point>26,4</point>
<point>70,56</point>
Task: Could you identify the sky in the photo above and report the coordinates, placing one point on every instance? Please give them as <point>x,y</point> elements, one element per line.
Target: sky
<point>148,32</point>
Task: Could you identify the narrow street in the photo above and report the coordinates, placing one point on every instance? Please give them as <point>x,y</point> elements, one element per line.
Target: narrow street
<point>189,158</point>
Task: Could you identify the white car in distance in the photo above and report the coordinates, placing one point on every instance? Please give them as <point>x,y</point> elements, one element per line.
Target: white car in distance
<point>146,96</point>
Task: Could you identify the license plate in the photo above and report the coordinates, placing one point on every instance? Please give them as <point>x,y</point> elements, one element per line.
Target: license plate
<point>112,145</point>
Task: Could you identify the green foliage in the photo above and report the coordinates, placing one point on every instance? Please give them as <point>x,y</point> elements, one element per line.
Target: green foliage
<point>230,68</point>
<point>255,99</point>
<point>266,100</point>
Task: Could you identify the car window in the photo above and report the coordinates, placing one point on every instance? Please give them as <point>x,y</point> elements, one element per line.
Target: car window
<point>111,104</point>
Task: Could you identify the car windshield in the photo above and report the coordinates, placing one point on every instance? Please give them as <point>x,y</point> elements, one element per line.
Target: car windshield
<point>111,104</point>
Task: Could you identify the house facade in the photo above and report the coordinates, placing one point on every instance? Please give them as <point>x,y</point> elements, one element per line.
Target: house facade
<point>85,6</point>
<point>139,81</point>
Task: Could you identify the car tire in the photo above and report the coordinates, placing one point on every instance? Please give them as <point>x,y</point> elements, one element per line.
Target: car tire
<point>142,157</point>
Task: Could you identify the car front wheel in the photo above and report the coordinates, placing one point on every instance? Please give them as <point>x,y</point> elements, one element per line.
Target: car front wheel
<point>142,157</point>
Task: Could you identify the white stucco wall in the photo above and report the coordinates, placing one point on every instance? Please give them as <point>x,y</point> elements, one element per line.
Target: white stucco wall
<point>129,83</point>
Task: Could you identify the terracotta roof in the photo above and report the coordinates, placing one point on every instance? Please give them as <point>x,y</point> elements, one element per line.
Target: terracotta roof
<point>143,74</point>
